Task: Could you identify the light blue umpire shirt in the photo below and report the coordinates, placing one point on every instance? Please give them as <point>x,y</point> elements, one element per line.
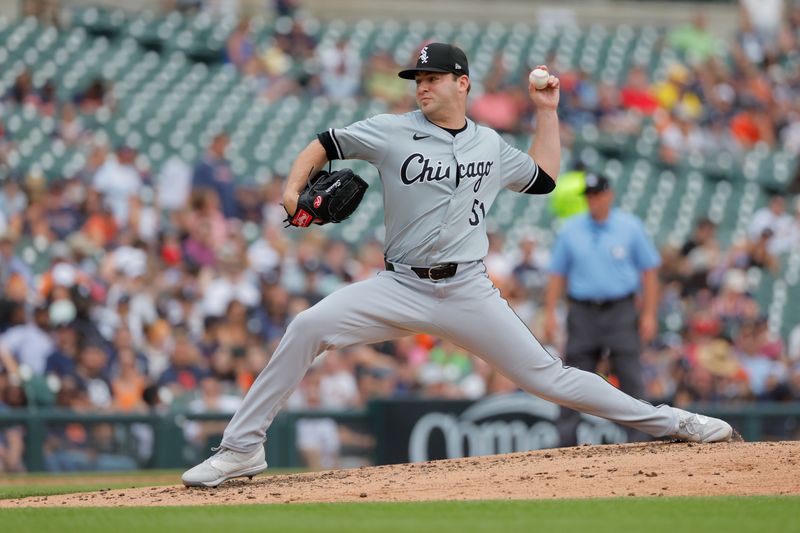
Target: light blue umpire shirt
<point>603,260</point>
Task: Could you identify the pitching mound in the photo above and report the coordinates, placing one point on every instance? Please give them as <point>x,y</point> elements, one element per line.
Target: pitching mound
<point>647,469</point>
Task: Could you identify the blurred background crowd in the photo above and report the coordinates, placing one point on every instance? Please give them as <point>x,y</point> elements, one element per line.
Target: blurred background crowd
<point>127,288</point>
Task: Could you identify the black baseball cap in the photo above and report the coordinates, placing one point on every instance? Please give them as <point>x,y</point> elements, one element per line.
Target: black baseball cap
<point>596,183</point>
<point>439,57</point>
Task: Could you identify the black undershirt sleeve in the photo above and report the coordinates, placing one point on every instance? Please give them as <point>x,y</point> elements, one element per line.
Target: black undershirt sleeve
<point>543,184</point>
<point>326,140</point>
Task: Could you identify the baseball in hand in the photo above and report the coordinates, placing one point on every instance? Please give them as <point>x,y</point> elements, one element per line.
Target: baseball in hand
<point>539,78</point>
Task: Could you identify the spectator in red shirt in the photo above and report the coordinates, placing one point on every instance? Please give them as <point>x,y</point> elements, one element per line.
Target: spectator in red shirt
<point>752,125</point>
<point>498,107</point>
<point>636,93</point>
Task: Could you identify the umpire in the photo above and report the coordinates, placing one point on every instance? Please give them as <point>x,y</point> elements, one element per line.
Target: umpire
<point>605,259</point>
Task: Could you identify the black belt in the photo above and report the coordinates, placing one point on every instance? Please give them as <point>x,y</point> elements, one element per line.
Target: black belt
<point>443,271</point>
<point>601,304</point>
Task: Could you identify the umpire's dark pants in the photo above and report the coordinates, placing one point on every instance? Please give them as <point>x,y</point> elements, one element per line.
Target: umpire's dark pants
<point>595,328</point>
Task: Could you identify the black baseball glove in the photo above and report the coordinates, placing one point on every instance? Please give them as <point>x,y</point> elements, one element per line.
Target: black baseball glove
<point>328,197</point>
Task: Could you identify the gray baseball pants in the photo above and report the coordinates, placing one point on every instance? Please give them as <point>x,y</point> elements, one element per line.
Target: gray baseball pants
<point>466,309</point>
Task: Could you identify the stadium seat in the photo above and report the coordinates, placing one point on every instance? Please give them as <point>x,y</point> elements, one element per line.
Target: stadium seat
<point>172,92</point>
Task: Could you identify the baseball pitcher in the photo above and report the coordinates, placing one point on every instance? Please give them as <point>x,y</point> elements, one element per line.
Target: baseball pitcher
<point>441,172</point>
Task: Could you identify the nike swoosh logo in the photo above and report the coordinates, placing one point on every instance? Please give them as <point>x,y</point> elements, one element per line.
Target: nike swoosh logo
<point>418,137</point>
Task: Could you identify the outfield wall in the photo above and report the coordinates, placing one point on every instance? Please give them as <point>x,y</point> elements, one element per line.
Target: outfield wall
<point>401,430</point>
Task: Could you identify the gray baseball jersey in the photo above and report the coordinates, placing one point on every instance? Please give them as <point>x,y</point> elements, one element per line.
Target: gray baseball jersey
<point>437,187</point>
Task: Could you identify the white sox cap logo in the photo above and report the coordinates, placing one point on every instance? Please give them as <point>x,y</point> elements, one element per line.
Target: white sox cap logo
<point>423,55</point>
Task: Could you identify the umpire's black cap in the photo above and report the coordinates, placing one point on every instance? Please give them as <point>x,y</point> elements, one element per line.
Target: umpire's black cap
<point>439,57</point>
<point>596,183</point>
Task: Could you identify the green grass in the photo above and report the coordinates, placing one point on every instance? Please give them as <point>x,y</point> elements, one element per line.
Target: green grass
<point>46,484</point>
<point>13,486</point>
<point>57,476</point>
<point>651,515</point>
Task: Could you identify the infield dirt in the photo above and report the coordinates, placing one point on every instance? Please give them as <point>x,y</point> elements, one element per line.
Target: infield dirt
<point>643,469</point>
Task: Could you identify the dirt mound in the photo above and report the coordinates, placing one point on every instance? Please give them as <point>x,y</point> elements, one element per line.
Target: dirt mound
<point>646,469</point>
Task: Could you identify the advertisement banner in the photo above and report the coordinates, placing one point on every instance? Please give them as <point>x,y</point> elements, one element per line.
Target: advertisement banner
<point>418,430</point>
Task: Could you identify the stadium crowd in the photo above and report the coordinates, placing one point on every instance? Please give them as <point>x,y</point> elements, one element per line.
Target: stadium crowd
<point>129,290</point>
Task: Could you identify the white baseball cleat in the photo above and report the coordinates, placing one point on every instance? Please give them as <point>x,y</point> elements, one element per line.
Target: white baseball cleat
<point>698,428</point>
<point>224,465</point>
